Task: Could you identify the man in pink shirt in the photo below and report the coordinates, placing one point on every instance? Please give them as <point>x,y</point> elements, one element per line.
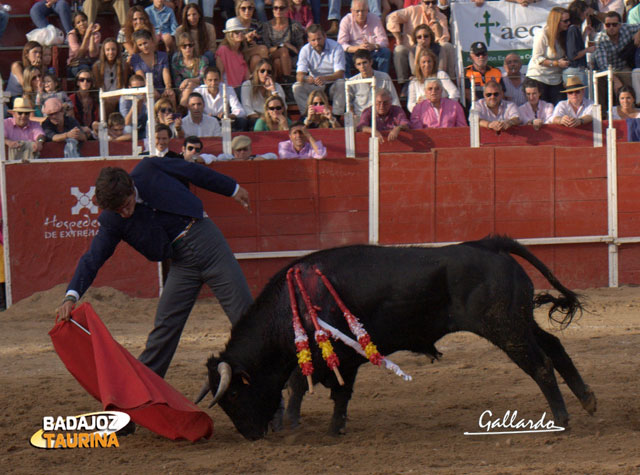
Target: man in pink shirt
<point>401,24</point>
<point>363,30</point>
<point>436,111</point>
<point>21,132</point>
<point>388,117</point>
<point>301,144</point>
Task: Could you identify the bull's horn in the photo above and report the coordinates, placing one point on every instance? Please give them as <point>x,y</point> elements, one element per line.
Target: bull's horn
<point>225,379</point>
<point>203,392</point>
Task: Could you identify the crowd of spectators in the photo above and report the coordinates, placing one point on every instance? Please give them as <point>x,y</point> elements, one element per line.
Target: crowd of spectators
<point>263,65</point>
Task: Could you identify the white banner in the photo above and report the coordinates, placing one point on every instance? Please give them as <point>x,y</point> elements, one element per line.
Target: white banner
<point>504,27</point>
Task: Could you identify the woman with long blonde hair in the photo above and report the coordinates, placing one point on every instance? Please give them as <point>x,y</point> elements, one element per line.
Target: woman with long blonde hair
<point>31,56</point>
<point>253,46</point>
<point>274,116</point>
<point>319,112</point>
<point>229,57</point>
<point>32,79</point>
<point>548,57</point>
<point>255,90</point>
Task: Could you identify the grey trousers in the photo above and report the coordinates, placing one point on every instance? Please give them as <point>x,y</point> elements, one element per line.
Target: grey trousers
<point>202,256</point>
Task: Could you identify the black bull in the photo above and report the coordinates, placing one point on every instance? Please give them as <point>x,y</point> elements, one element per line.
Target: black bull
<point>407,299</point>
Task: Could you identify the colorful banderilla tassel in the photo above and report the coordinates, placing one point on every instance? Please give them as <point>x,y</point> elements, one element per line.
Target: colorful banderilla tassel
<point>354,324</point>
<point>300,336</point>
<point>321,335</point>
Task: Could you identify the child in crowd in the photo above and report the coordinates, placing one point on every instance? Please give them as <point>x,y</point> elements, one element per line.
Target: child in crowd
<point>164,21</point>
<point>115,128</point>
<point>51,88</point>
<point>300,11</point>
<point>47,60</point>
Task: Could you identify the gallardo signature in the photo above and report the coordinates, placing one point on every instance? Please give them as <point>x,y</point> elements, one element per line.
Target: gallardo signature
<point>510,421</point>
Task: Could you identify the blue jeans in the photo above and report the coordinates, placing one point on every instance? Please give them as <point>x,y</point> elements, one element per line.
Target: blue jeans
<point>334,9</point>
<point>380,61</point>
<point>40,11</point>
<point>4,18</point>
<point>315,10</point>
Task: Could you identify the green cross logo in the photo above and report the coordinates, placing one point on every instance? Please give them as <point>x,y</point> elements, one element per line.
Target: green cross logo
<point>486,25</point>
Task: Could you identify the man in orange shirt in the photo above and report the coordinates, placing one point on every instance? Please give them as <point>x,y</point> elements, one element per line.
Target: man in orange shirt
<point>481,70</point>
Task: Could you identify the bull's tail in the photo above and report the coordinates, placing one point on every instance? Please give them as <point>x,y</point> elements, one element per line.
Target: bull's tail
<point>567,305</point>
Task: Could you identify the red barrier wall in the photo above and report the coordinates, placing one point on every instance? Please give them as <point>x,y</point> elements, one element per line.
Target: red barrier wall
<point>449,194</point>
<point>417,141</point>
<point>46,238</point>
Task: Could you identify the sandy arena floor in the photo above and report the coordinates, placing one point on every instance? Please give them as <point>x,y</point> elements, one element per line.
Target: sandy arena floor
<point>394,426</point>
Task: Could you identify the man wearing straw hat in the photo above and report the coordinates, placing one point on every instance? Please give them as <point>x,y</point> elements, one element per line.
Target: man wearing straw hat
<point>24,137</point>
<point>576,110</point>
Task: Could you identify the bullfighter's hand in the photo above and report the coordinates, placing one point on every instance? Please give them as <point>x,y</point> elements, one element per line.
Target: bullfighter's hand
<point>242,197</point>
<point>64,310</point>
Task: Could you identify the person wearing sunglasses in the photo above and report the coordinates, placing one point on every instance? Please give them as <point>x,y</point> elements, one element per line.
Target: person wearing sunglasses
<point>319,114</point>
<point>576,110</point>
<point>253,47</point>
<point>85,100</point>
<point>254,91</point>
<point>284,38</point>
<point>241,150</point>
<point>401,24</point>
<point>187,67</point>
<point>361,30</point>
<point>201,30</point>
<point>616,47</point>
<point>22,133</point>
<point>548,57</point>
<point>480,70</point>
<point>197,122</point>
<point>166,114</point>
<point>494,112</point>
<point>274,116</point>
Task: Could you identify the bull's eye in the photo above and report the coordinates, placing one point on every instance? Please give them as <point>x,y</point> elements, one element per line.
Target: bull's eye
<point>232,395</point>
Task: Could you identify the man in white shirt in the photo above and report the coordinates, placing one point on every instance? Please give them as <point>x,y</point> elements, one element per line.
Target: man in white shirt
<point>576,110</point>
<point>321,65</point>
<point>495,113</point>
<point>211,92</point>
<point>360,94</point>
<point>196,122</point>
